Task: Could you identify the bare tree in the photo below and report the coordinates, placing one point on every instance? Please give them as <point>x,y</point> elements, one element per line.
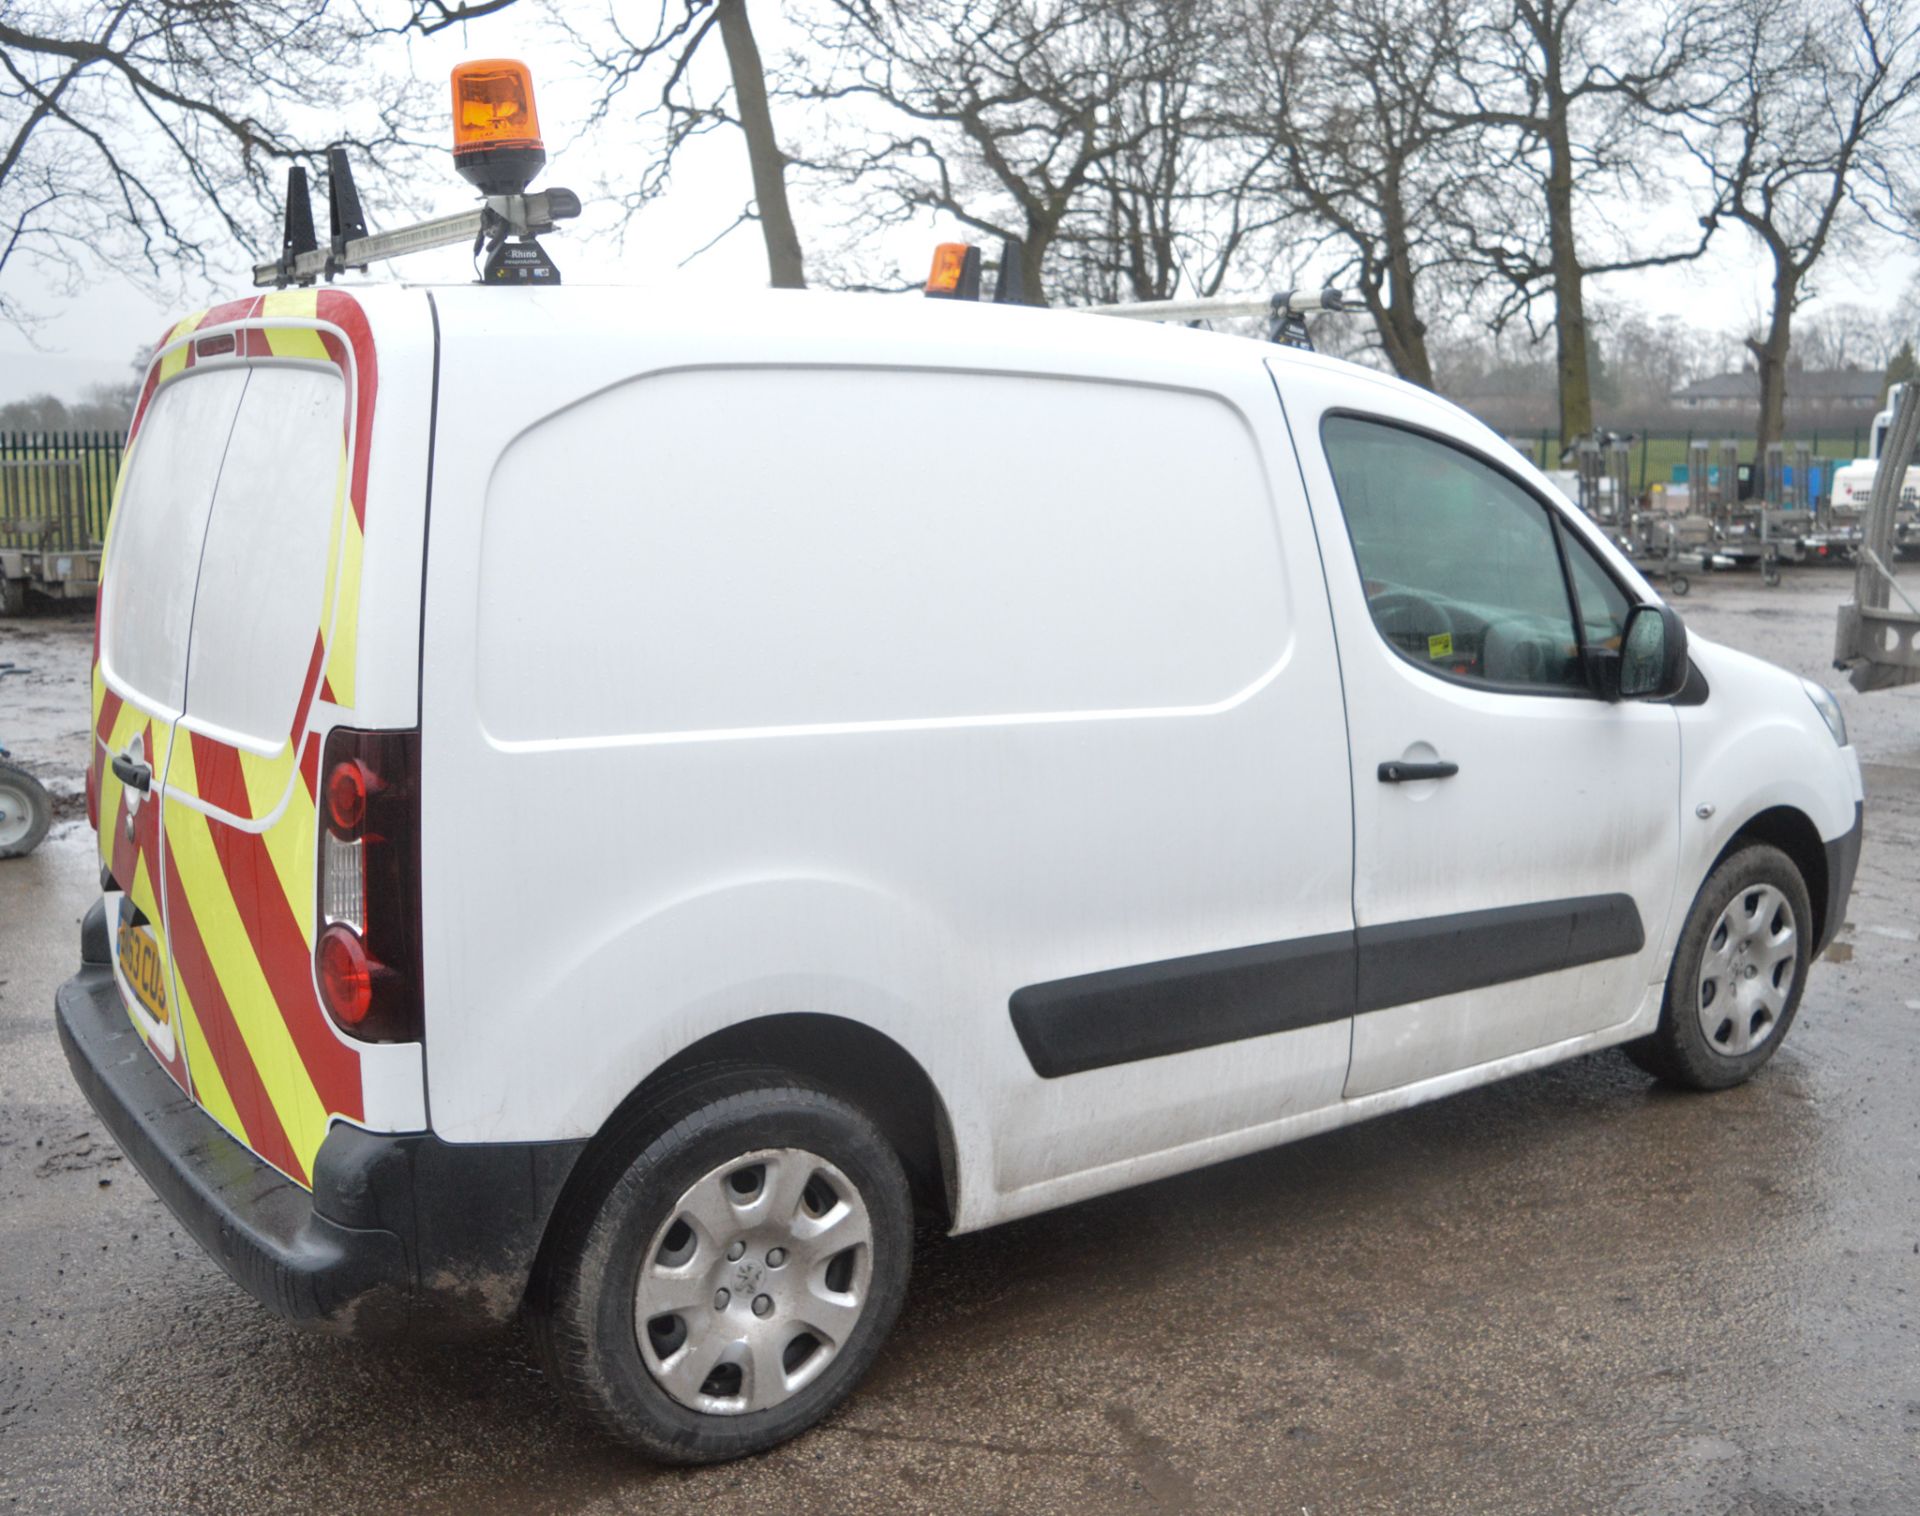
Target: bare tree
<point>1051,121</point>
<point>142,132</point>
<point>1572,92</point>
<point>1183,201</point>
<point>1802,145</point>
<point>662,56</point>
<point>1355,97</point>
<point>1902,368</point>
<point>1648,358</point>
<point>1843,337</point>
<point>668,54</point>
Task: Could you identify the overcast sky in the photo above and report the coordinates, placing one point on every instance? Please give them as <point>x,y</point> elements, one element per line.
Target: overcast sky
<point>93,338</point>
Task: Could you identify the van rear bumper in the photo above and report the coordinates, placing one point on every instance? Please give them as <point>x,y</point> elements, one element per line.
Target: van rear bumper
<point>401,1233</point>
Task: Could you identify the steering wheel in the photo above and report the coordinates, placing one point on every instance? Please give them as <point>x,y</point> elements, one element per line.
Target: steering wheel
<point>1407,613</point>
<point>1515,653</point>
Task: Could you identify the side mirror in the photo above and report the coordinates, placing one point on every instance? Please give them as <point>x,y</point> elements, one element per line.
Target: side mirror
<point>1653,654</point>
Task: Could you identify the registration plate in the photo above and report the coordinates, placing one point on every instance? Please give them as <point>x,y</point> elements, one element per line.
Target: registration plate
<point>144,970</point>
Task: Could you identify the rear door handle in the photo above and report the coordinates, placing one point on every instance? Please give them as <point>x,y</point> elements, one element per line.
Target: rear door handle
<point>131,771</point>
<point>1399,771</point>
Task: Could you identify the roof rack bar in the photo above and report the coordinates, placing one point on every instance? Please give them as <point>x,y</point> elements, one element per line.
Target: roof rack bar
<point>1284,303</point>
<point>501,216</point>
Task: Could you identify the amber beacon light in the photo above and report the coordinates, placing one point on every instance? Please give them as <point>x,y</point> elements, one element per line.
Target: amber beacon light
<point>496,128</point>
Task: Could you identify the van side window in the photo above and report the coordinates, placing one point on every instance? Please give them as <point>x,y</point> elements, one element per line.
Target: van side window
<point>258,611</point>
<point>1459,563</point>
<point>1603,604</point>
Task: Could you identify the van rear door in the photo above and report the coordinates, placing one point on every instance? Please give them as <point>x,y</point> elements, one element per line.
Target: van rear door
<point>240,817</point>
<point>261,610</point>
<point>156,529</point>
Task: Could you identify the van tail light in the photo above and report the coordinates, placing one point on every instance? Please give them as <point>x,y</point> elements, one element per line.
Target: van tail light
<point>346,975</point>
<point>366,957</point>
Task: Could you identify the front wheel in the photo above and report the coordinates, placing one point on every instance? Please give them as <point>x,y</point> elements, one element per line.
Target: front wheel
<point>726,1285</point>
<point>1737,974</point>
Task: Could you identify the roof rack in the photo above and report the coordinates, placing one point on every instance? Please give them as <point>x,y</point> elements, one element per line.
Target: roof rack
<point>957,269</point>
<point>1286,311</point>
<point>489,224</point>
<point>497,148</point>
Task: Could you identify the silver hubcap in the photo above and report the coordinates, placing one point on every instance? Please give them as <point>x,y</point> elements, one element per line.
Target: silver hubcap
<point>16,815</point>
<point>755,1282</point>
<point>1747,971</point>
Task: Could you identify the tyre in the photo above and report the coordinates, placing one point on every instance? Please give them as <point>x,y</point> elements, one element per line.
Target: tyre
<point>730,1270</point>
<point>13,597</point>
<point>1737,974</point>
<point>1678,585</point>
<point>1770,575</point>
<point>26,811</point>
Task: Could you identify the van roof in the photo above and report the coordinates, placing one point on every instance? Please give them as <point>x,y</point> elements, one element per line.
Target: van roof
<point>817,326</point>
<point>906,317</point>
<point>907,321</point>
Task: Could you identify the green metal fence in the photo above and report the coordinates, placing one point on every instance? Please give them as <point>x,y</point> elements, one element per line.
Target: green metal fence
<point>56,488</point>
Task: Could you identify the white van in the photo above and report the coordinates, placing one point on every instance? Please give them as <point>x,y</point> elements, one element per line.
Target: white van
<point>606,808</point>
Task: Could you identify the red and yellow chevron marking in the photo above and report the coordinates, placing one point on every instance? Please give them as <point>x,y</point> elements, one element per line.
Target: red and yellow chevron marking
<point>260,1055</point>
<point>135,860</point>
<point>240,917</point>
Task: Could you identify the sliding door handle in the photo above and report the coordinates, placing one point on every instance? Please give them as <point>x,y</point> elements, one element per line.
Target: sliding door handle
<point>1400,771</point>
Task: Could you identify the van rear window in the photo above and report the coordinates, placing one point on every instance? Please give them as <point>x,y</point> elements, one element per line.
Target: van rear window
<point>258,610</point>
<point>158,525</point>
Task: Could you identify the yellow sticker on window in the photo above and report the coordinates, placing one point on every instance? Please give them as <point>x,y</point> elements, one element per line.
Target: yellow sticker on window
<point>1440,645</point>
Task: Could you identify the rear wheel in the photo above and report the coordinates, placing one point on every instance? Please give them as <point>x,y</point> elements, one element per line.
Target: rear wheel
<point>726,1285</point>
<point>1737,974</point>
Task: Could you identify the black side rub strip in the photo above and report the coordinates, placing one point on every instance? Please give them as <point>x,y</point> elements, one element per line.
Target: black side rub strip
<point>1443,955</point>
<point>1150,1010</point>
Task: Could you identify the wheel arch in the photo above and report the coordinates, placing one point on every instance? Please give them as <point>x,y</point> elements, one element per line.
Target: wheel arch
<point>1792,831</point>
<point>844,1057</point>
<point>863,1066</point>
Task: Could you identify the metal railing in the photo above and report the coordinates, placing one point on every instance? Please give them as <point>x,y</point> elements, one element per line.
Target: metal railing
<point>56,488</point>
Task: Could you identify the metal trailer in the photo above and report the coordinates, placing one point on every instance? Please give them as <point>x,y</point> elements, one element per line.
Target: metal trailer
<point>47,543</point>
<point>1876,640</point>
<point>1603,469</point>
<point>1668,548</point>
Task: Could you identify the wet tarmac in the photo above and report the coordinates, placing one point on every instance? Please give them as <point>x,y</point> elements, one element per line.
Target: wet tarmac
<point>1570,1292</point>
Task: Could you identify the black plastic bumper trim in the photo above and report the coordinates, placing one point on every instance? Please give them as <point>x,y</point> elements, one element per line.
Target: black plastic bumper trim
<point>1843,862</point>
<point>400,1233</point>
